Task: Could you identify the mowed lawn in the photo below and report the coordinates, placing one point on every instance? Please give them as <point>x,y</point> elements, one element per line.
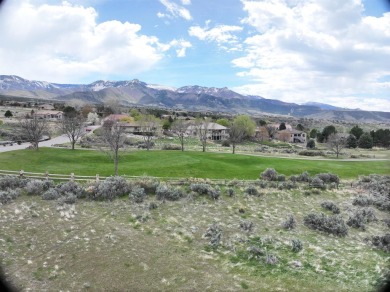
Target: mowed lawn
<point>179,164</point>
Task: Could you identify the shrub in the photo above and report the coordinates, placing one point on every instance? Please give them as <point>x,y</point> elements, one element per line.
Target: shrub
<point>269,174</point>
<point>288,185</point>
<point>12,182</point>
<point>333,224</point>
<point>137,195</point>
<point>34,187</point>
<point>329,205</point>
<point>164,192</point>
<point>360,217</point>
<point>290,223</point>
<point>304,177</point>
<point>234,182</point>
<point>149,184</point>
<point>152,206</point>
<point>281,177</point>
<point>246,225</point>
<point>256,251</point>
<point>110,188</point>
<point>382,242</point>
<point>329,178</point>
<point>311,144</point>
<point>214,233</point>
<point>225,143</point>
<point>271,259</point>
<point>68,198</point>
<point>8,195</point>
<point>51,194</point>
<point>205,189</point>
<point>71,187</point>
<point>293,178</point>
<point>362,200</point>
<point>316,182</point>
<point>230,192</point>
<point>311,153</point>
<point>296,245</point>
<point>261,183</point>
<point>252,190</point>
<point>171,147</point>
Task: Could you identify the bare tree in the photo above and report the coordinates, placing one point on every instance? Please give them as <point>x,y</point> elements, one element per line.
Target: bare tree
<point>179,128</point>
<point>150,126</point>
<point>33,129</point>
<point>202,130</point>
<point>336,142</point>
<point>271,131</point>
<point>113,136</point>
<point>236,134</point>
<point>73,126</point>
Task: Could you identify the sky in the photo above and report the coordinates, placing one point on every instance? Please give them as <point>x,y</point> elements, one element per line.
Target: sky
<point>328,51</point>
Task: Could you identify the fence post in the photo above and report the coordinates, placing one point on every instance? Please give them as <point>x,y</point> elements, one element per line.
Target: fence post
<point>97,178</point>
<point>72,176</point>
<point>21,173</point>
<point>47,175</point>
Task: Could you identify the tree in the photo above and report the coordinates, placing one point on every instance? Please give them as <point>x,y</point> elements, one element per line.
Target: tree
<point>72,125</point>
<point>236,134</point>
<point>365,141</point>
<point>113,136</point>
<point>311,144</point>
<point>381,137</point>
<point>247,124</point>
<point>261,123</point>
<point>271,131</point>
<point>33,129</point>
<point>112,105</point>
<point>336,142</point>
<point>356,131</point>
<point>149,125</point>
<point>202,128</point>
<point>313,133</point>
<point>93,118</point>
<point>8,114</point>
<point>300,127</point>
<point>282,126</point>
<point>179,128</point>
<point>166,124</point>
<point>326,132</point>
<point>223,122</point>
<point>352,142</point>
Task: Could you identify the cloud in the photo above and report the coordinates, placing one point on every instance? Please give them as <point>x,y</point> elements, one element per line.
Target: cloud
<point>64,43</point>
<point>174,10</point>
<point>220,34</point>
<point>181,46</point>
<point>315,50</point>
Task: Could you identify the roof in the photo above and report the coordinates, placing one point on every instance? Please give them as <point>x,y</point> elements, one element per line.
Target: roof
<point>210,126</point>
<point>117,117</point>
<point>293,131</point>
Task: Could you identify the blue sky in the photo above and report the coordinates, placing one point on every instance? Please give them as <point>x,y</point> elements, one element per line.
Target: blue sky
<point>329,51</point>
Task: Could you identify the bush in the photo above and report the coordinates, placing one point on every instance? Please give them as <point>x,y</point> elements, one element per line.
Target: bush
<point>171,147</point>
<point>252,190</point>
<point>304,177</point>
<point>363,201</point>
<point>71,187</point>
<point>68,198</point>
<point>164,192</point>
<point>230,192</point>
<point>246,225</point>
<point>205,189</point>
<point>311,144</point>
<point>137,195</point>
<point>34,187</point>
<point>331,207</point>
<point>269,174</point>
<point>296,245</point>
<point>360,217</point>
<point>110,188</point>
<point>8,195</point>
<point>311,153</point>
<point>149,184</point>
<point>382,242</point>
<point>225,143</point>
<point>333,224</point>
<point>51,194</point>
<point>290,223</point>
<point>317,183</point>
<point>329,178</point>
<point>281,177</point>
<point>12,182</point>
<point>214,233</point>
<point>288,185</point>
<point>271,259</point>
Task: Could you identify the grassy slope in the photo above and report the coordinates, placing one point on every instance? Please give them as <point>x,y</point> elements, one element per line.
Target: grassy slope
<point>178,164</point>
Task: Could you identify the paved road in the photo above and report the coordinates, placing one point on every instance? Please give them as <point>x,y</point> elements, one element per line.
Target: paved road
<point>49,143</point>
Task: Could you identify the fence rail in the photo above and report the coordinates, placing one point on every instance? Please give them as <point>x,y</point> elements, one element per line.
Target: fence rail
<point>97,177</point>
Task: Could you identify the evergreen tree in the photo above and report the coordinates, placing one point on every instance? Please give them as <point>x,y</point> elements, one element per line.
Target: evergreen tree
<point>365,141</point>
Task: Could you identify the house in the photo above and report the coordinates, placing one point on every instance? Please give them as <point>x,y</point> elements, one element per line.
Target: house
<point>46,106</point>
<point>292,136</point>
<point>215,132</point>
<point>262,133</point>
<point>49,115</point>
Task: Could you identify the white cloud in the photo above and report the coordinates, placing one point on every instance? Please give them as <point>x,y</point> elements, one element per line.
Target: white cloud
<point>181,46</point>
<point>175,10</point>
<point>221,34</point>
<point>186,2</point>
<point>64,43</point>
<point>318,50</point>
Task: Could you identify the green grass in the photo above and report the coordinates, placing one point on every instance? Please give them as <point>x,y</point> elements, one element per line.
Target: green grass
<point>178,164</point>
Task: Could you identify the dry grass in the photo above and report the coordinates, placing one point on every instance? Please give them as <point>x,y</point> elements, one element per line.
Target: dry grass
<point>119,245</point>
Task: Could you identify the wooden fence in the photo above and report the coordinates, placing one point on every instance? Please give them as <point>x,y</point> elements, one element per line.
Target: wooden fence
<point>97,177</point>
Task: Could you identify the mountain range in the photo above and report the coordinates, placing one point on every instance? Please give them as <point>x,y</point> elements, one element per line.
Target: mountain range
<point>196,98</point>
